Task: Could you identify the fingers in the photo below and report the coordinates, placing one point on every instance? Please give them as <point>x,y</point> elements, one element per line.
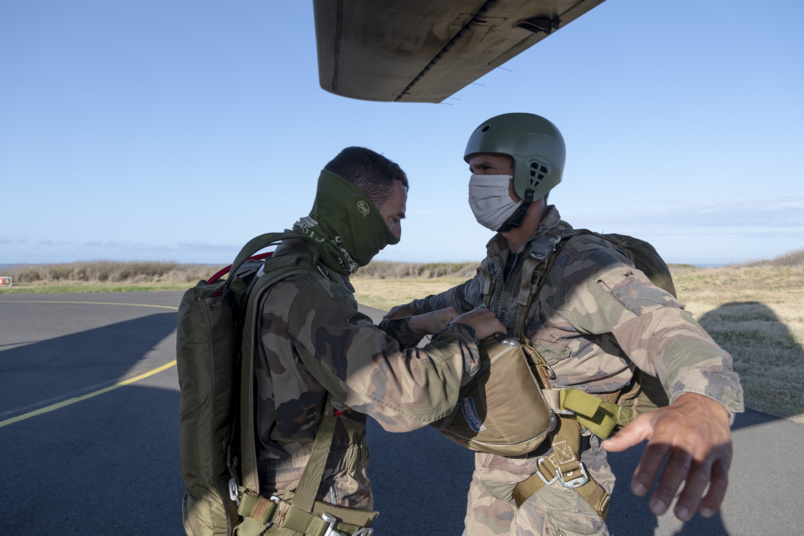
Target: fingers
<point>718,484</point>
<point>483,322</point>
<point>648,468</point>
<point>692,440</point>
<point>677,470</point>
<point>633,434</point>
<point>398,312</point>
<point>715,476</point>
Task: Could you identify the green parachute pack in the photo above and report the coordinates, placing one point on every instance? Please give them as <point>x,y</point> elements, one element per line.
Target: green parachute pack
<point>217,446</point>
<point>208,358</point>
<point>213,336</point>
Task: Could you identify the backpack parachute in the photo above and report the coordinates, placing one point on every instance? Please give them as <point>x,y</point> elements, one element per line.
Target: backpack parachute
<point>208,343</point>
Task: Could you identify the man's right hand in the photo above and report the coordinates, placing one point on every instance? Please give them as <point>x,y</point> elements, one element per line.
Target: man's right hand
<point>482,321</point>
<point>399,311</point>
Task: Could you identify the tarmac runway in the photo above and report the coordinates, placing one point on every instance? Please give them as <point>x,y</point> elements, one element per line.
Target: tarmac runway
<point>89,405</point>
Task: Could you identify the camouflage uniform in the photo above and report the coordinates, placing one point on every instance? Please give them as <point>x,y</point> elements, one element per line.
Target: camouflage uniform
<point>313,340</point>
<point>595,319</point>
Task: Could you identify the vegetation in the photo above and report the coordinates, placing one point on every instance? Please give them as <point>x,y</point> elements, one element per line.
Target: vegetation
<point>754,310</point>
<point>105,276</point>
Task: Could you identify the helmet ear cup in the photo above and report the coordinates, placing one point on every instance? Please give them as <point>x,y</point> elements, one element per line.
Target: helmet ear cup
<point>537,173</point>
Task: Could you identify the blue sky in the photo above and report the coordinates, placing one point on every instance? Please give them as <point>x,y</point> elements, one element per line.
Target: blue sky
<point>176,131</point>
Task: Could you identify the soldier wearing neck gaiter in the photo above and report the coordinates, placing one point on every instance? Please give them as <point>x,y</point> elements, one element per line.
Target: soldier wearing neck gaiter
<point>313,341</point>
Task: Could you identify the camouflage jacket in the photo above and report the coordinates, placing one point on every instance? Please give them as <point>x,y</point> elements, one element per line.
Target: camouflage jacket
<point>597,318</point>
<point>313,340</point>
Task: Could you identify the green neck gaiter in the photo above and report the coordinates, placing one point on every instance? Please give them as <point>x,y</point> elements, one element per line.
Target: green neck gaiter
<point>347,227</point>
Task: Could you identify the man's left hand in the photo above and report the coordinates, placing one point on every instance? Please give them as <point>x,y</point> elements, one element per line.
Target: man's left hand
<point>694,436</point>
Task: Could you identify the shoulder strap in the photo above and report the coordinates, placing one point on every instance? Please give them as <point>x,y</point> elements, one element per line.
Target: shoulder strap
<point>248,453</point>
<point>260,242</point>
<point>534,272</point>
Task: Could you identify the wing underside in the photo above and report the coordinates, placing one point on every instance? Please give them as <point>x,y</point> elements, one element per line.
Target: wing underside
<point>426,50</point>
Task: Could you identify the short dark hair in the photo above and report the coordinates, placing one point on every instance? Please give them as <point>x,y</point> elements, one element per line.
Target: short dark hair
<point>373,173</point>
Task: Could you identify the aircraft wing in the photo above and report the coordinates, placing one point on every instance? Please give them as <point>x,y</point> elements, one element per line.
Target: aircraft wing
<point>426,50</point>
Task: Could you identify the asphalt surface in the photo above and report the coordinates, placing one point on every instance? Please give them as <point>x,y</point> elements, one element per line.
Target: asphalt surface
<point>83,454</point>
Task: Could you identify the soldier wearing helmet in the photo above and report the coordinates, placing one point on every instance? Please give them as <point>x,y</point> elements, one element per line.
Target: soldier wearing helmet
<point>596,320</point>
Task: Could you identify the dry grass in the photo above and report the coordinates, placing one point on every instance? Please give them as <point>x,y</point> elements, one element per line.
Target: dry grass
<point>385,293</point>
<point>105,276</point>
<point>756,312</point>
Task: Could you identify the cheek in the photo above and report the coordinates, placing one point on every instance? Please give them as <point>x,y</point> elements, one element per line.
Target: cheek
<point>512,193</point>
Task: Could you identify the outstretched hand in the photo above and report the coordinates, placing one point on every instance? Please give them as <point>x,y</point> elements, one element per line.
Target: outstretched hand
<point>694,437</point>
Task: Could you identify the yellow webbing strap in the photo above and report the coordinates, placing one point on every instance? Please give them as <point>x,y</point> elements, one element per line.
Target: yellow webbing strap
<point>592,492</point>
<point>256,511</point>
<point>600,417</point>
<point>562,467</point>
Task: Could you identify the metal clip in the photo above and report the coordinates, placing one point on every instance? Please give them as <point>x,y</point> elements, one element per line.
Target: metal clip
<point>541,476</point>
<point>364,532</point>
<point>233,493</point>
<point>575,482</point>
<point>332,520</point>
<point>559,410</point>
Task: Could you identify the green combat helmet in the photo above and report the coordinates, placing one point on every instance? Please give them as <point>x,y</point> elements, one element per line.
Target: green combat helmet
<point>536,146</point>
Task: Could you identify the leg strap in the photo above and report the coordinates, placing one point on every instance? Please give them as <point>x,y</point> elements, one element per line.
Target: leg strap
<point>563,466</point>
<point>305,516</point>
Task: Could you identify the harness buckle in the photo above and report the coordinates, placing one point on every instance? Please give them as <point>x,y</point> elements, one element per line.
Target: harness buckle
<point>277,500</point>
<point>233,493</point>
<point>560,410</point>
<point>541,476</point>
<point>331,520</point>
<point>575,482</point>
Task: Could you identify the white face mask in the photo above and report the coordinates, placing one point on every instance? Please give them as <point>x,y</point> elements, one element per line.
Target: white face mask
<point>491,204</point>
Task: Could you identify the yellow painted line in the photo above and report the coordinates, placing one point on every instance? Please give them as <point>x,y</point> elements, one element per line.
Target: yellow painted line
<point>93,303</point>
<point>71,401</point>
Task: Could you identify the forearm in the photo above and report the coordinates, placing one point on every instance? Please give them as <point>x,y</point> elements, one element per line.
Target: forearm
<point>683,356</point>
<point>401,390</point>
<point>463,298</point>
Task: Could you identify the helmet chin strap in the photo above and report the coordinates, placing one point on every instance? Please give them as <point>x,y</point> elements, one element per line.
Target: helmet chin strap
<point>515,220</point>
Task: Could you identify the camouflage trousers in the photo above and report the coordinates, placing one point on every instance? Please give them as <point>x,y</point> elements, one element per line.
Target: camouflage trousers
<point>552,511</point>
